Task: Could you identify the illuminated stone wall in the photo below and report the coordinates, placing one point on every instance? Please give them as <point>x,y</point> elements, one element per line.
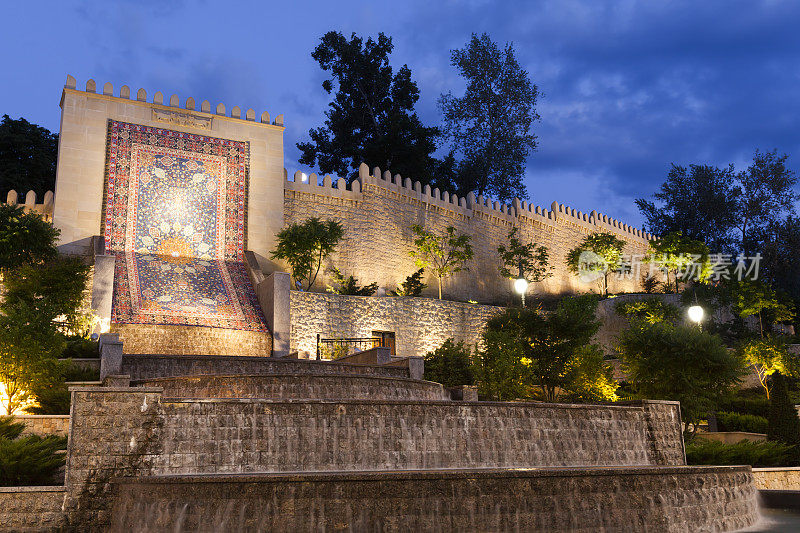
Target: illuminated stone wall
<point>419,324</point>
<point>378,211</point>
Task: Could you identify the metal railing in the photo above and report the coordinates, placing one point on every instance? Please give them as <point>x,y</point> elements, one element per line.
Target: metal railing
<point>333,349</point>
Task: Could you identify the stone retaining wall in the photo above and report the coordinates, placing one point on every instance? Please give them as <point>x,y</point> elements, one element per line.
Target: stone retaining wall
<point>589,499</point>
<point>782,478</point>
<point>191,340</point>
<point>31,508</point>
<point>156,366</point>
<point>290,386</point>
<point>419,324</point>
<point>44,424</point>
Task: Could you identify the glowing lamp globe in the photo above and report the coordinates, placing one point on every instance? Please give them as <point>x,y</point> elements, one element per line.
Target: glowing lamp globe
<point>696,313</point>
<point>521,286</point>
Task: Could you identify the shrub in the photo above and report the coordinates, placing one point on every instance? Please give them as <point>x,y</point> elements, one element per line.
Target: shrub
<point>651,310</point>
<point>757,454</point>
<point>741,422</point>
<point>30,460</point>
<point>501,369</point>
<point>784,426</point>
<point>650,284</point>
<point>54,398</point>
<point>412,286</point>
<point>450,364</point>
<point>349,285</point>
<point>748,406</point>
<point>81,348</point>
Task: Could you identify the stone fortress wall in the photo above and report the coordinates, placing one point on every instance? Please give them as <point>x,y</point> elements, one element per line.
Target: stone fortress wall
<point>45,209</point>
<point>377,211</point>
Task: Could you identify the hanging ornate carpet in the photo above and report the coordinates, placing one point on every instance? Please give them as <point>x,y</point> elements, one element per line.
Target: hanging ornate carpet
<point>175,219</point>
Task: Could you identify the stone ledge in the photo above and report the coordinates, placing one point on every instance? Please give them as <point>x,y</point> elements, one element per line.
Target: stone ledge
<point>116,389</point>
<point>34,488</point>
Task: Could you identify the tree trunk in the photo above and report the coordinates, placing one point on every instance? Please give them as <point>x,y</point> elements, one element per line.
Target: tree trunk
<point>439,279</point>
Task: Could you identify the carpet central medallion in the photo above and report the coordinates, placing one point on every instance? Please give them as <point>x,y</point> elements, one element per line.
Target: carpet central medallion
<point>175,218</point>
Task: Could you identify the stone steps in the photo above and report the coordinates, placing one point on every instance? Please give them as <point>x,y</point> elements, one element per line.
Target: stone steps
<point>670,499</point>
<point>297,386</point>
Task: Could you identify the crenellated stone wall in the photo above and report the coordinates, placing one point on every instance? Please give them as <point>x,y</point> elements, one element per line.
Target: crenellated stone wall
<point>378,210</point>
<point>419,324</point>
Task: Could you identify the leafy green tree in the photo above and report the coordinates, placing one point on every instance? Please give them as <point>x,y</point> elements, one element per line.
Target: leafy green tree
<point>784,426</point>
<point>550,344</point>
<point>700,201</point>
<point>501,369</point>
<point>756,298</point>
<point>780,266</point>
<point>597,256</point>
<point>306,245</point>
<point>450,364</point>
<point>27,157</point>
<point>650,310</point>
<point>682,363</point>
<point>24,238</point>
<point>589,378</point>
<point>349,285</point>
<point>412,286</point>
<point>684,258</point>
<point>529,261</point>
<point>371,118</point>
<point>766,194</point>
<point>766,356</point>
<point>490,125</point>
<point>444,254</point>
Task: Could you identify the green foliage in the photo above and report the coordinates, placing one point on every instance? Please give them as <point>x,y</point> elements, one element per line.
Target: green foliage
<point>741,422</point>
<point>81,348</point>
<point>412,286</point>
<point>650,284</point>
<point>306,245</point>
<point>666,362</point>
<point>29,460</point>
<point>490,125</point>
<point>450,364</point>
<point>501,369</point>
<point>25,238</point>
<point>588,377</point>
<point>9,429</point>
<point>333,352</point>
<point>780,265</point>
<point>756,454</point>
<point>53,398</point>
<point>554,349</point>
<point>443,254</point>
<point>784,426</point>
<point>598,255</point>
<point>371,117</point>
<point>650,310</point>
<point>27,157</point>
<point>699,201</point>
<point>686,259</point>
<point>529,261</point>
<point>756,298</point>
<point>754,406</point>
<point>349,285</point>
<point>766,356</point>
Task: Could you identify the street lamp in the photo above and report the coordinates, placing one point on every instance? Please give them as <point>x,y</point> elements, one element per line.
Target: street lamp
<point>696,314</point>
<point>521,287</point>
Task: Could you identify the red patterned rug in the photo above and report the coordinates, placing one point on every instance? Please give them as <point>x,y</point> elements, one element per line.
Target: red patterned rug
<point>175,219</point>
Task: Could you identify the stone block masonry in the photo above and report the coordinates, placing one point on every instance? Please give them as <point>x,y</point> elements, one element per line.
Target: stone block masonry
<point>191,340</point>
<point>419,324</point>
<point>31,508</point>
<point>378,211</point>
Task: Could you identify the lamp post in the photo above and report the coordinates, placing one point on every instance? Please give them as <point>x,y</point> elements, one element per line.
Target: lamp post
<point>521,287</point>
<point>696,314</point>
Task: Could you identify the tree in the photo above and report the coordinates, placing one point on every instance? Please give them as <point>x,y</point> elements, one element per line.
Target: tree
<point>24,238</point>
<point>528,261</point>
<point>766,194</point>
<point>501,369</point>
<point>371,118</point>
<point>682,363</point>
<point>550,345</point>
<point>450,364</point>
<point>306,245</point>
<point>650,310</point>
<point>490,125</point>
<point>680,256</point>
<point>27,157</point>
<point>412,286</point>
<point>443,254</point>
<point>349,285</point>
<point>595,257</point>
<point>766,356</point>
<point>784,426</point>
<point>700,201</point>
<point>756,298</point>
<point>588,377</point>
<point>780,266</point>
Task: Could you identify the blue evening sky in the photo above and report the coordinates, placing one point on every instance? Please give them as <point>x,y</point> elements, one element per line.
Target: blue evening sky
<point>629,86</point>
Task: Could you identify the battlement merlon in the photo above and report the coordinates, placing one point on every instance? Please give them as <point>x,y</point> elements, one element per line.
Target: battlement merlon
<point>467,206</point>
<point>172,110</point>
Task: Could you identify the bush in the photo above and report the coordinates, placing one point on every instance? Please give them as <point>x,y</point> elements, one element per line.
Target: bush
<point>741,422</point>
<point>349,285</point>
<point>651,310</point>
<point>412,286</point>
<point>746,406</point>
<point>757,454</point>
<point>29,460</point>
<point>81,348</point>
<point>450,364</point>
<point>54,398</point>
<point>784,426</point>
